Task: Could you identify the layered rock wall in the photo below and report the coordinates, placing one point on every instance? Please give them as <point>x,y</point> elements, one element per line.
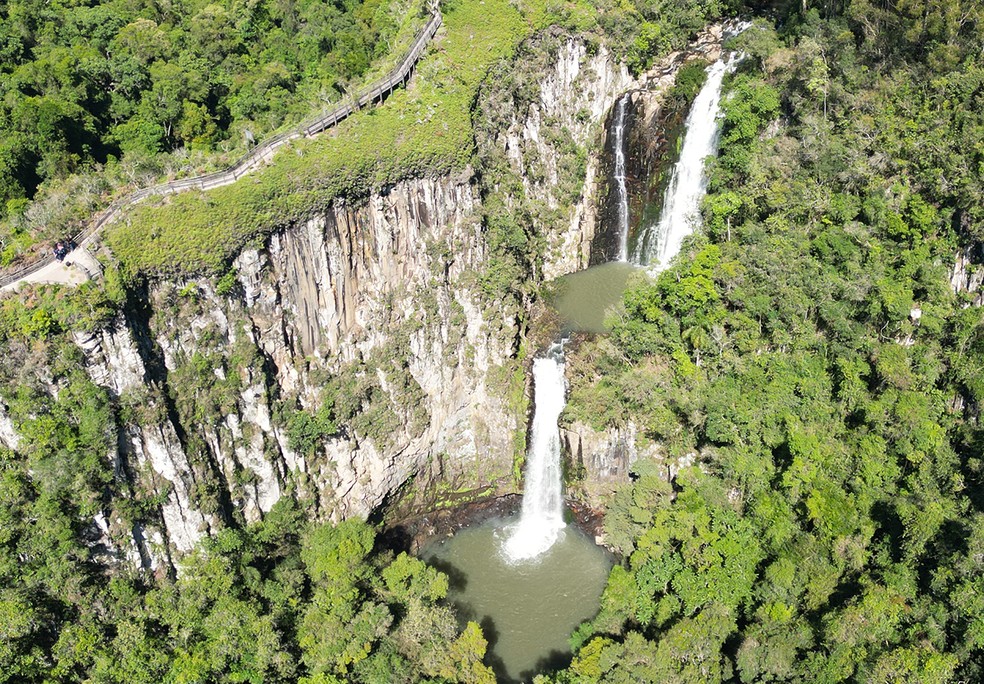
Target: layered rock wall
<point>967,276</point>
<point>381,293</point>
<point>355,356</point>
<point>550,139</point>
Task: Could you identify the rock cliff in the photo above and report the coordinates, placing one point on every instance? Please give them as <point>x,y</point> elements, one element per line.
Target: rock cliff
<point>550,142</point>
<point>600,461</point>
<point>967,276</point>
<point>355,357</point>
<point>367,316</point>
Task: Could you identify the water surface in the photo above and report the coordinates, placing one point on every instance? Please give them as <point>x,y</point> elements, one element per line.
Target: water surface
<point>527,609</point>
<point>582,299</point>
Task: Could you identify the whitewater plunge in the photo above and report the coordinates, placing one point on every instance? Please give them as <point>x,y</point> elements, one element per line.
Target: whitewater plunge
<point>619,176</point>
<point>658,244</point>
<point>542,516</point>
<point>528,582</point>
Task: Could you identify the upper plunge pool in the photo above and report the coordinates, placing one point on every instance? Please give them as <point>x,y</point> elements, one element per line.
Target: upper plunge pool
<point>583,299</point>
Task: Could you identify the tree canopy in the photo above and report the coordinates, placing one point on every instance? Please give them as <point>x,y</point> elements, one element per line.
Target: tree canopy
<point>90,79</point>
<point>807,354</point>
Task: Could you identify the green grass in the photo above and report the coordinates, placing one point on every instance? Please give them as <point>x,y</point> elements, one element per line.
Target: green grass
<point>424,131</point>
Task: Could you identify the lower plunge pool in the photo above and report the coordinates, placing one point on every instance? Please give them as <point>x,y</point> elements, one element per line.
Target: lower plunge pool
<point>528,609</point>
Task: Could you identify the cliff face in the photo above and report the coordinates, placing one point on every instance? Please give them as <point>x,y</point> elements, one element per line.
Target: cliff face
<point>538,122</point>
<point>373,303</point>
<point>553,140</point>
<point>599,462</point>
<point>355,356</point>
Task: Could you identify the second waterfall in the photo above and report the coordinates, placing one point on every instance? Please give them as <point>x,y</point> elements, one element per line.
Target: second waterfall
<point>542,517</point>
<point>658,244</point>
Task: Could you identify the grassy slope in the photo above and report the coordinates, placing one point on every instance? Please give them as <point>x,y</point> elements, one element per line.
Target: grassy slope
<point>426,130</point>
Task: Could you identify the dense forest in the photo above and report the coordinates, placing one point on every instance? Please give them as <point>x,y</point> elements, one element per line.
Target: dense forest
<point>102,93</point>
<point>805,347</point>
<point>808,349</point>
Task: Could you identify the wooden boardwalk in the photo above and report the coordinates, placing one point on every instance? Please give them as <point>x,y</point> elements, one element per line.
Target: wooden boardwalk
<point>258,156</point>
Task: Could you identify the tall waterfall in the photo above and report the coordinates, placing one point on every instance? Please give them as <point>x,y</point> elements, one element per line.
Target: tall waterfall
<point>542,516</point>
<point>623,192</point>
<point>658,244</point>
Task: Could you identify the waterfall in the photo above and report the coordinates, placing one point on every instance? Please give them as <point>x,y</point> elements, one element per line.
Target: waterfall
<point>542,516</point>
<point>623,193</point>
<point>658,244</point>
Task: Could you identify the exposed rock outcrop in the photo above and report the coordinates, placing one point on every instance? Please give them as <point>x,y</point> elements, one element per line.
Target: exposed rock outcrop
<point>967,276</point>
<point>379,293</point>
<point>599,462</point>
<point>576,91</point>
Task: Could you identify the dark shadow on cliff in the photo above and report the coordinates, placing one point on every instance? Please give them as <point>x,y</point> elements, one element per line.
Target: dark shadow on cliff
<point>137,314</point>
<point>397,539</point>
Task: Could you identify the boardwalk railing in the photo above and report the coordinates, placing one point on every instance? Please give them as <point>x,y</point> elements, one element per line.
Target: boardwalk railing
<point>256,157</point>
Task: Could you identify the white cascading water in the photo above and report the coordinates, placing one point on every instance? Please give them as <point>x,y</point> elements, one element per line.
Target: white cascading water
<point>542,517</point>
<point>658,244</point>
<point>623,192</point>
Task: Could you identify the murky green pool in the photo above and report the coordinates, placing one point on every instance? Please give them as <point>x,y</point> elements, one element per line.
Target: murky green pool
<point>527,610</point>
<point>584,298</point>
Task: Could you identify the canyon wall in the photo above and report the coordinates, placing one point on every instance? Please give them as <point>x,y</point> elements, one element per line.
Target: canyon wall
<point>967,275</point>
<point>364,322</point>
<point>355,358</point>
<point>550,139</point>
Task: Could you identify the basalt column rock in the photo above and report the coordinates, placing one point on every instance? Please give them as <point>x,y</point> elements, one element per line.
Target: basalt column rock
<point>600,462</point>
<point>367,318</point>
<point>967,276</point>
<point>542,116</point>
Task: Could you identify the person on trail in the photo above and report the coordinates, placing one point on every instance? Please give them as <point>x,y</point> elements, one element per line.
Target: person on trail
<point>60,250</point>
